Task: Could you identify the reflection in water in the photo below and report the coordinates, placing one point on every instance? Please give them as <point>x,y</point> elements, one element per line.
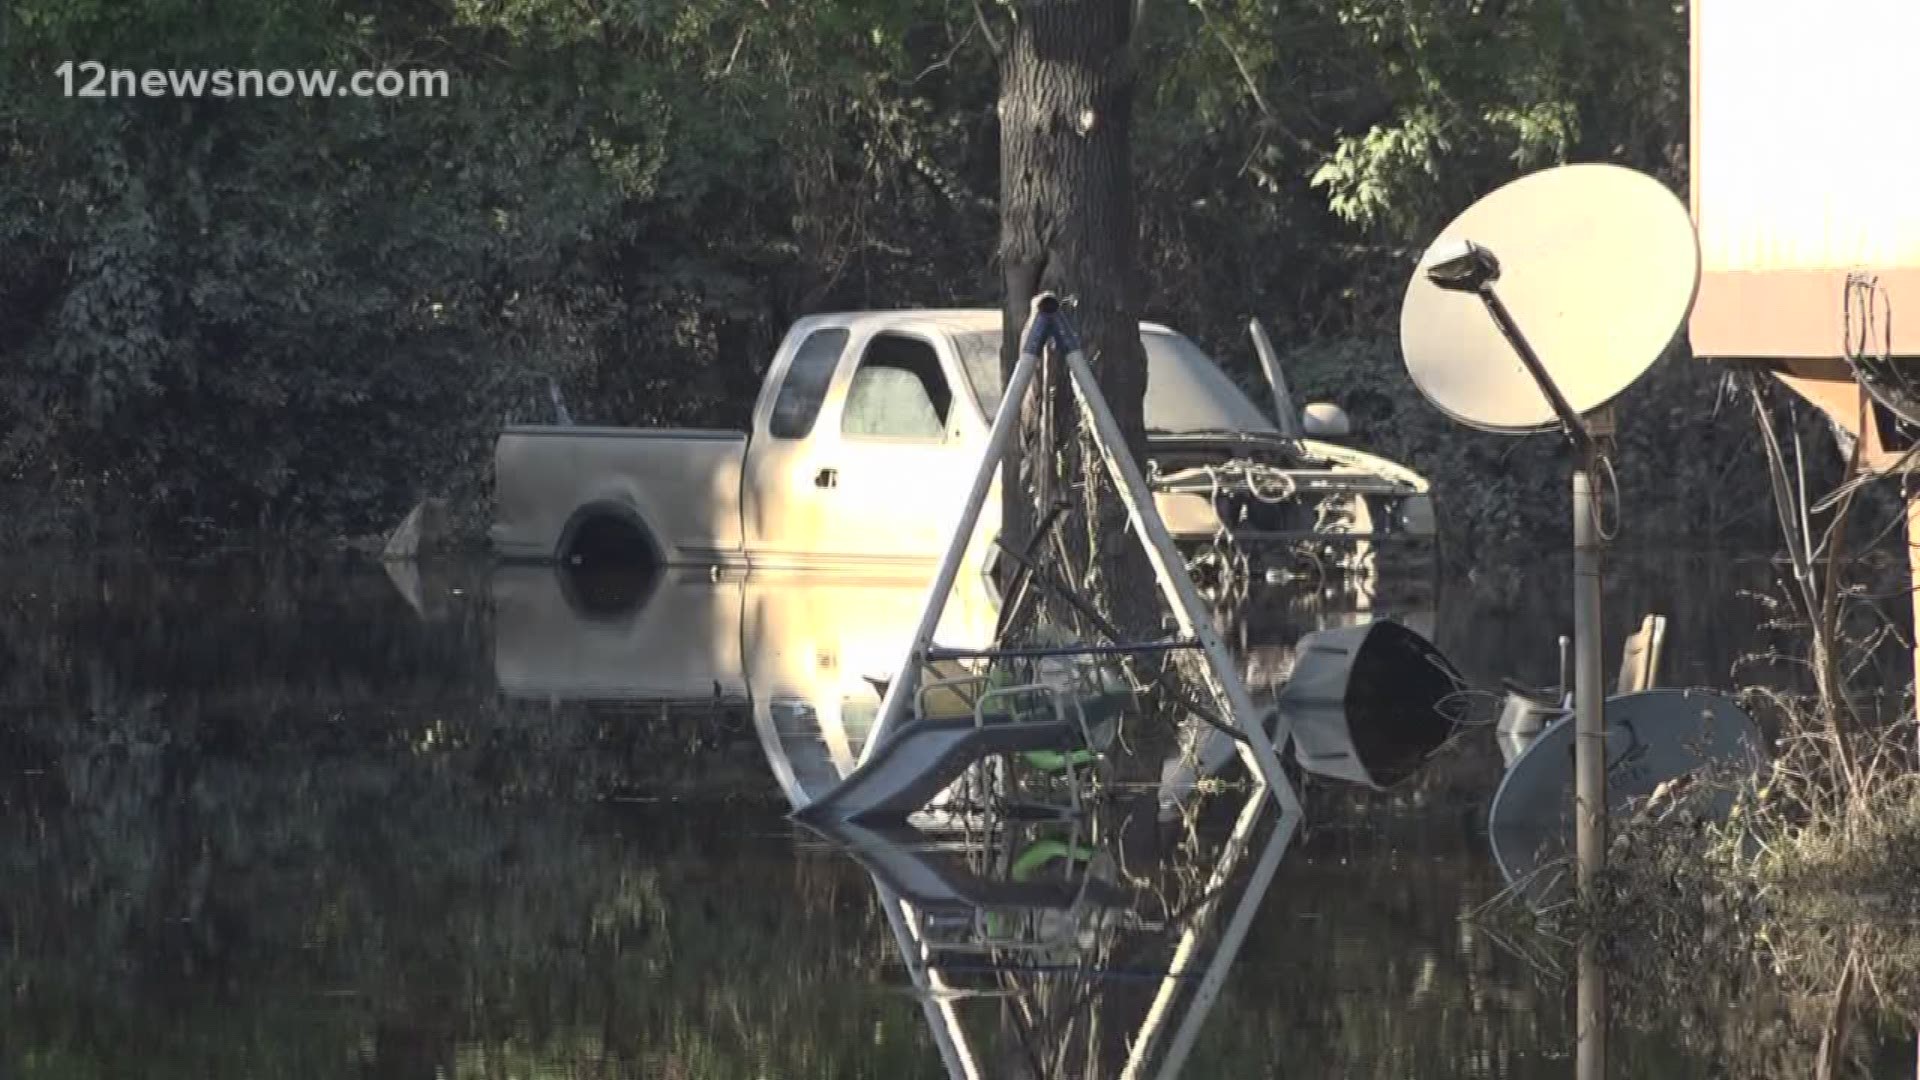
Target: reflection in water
<point>1057,945</point>
<point>1051,946</point>
<point>807,652</point>
<point>1048,950</point>
<point>282,820</point>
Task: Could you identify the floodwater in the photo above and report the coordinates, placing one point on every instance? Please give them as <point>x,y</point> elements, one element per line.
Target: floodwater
<point>295,819</point>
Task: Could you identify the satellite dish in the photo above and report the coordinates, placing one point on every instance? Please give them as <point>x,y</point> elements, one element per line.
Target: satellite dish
<point>1651,737</point>
<point>1598,266</point>
<point>1366,703</point>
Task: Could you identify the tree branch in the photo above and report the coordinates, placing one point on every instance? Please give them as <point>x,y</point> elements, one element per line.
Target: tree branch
<point>986,29</point>
<point>947,60</point>
<point>1239,62</point>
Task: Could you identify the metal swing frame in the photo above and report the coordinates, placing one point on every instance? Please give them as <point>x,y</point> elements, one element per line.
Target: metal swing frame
<point>1049,326</point>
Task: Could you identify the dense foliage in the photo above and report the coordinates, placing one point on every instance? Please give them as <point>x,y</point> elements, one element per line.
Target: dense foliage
<point>300,314</point>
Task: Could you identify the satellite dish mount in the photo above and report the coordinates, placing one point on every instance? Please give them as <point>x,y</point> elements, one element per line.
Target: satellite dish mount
<point>1463,266</point>
<point>1466,267</point>
<point>1603,263</point>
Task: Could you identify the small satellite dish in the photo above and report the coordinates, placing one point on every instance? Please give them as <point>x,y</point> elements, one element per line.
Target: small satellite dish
<point>1652,736</point>
<point>1597,264</point>
<point>1366,702</point>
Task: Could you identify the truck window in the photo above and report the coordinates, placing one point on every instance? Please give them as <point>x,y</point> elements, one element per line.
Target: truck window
<point>980,359</point>
<point>798,403</point>
<point>898,391</point>
<point>1187,391</point>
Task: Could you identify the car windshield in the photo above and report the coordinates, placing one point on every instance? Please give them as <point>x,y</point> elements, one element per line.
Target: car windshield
<point>1187,393</point>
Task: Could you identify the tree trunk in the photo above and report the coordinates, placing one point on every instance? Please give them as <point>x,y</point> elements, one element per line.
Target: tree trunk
<point>1068,224</point>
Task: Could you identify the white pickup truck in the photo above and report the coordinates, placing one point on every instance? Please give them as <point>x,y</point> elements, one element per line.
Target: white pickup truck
<point>865,439</point>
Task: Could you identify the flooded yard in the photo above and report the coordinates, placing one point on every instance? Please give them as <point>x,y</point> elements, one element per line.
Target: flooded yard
<point>274,818</point>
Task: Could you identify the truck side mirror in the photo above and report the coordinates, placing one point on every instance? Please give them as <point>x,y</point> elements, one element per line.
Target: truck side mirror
<point>1325,420</point>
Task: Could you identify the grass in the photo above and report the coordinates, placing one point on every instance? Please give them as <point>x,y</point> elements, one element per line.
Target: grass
<point>1785,937</point>
<point>1782,940</point>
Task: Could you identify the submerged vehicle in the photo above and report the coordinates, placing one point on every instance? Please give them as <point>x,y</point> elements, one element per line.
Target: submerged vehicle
<point>870,426</point>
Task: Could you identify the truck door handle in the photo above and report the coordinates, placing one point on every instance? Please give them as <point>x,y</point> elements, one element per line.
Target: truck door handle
<point>827,478</point>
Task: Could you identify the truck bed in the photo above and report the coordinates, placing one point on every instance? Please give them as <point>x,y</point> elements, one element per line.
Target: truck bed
<point>676,490</point>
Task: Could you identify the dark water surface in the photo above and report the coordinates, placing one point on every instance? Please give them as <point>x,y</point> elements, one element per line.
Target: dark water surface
<point>274,819</point>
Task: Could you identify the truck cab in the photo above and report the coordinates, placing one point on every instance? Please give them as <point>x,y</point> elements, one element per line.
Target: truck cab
<point>864,441</point>
<point>867,433</point>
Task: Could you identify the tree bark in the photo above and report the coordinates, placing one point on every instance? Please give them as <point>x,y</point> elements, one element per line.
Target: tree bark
<point>1068,224</point>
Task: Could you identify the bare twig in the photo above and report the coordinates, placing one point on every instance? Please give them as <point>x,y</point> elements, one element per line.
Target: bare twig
<point>1821,604</point>
<point>734,56</point>
<point>986,29</point>
<point>947,60</point>
<point>1239,62</point>
<point>1833,1036</point>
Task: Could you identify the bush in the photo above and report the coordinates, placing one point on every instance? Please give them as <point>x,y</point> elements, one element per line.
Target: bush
<point>1689,471</point>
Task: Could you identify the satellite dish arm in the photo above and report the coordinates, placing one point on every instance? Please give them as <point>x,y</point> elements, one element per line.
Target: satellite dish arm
<point>1466,267</point>
<point>1576,426</point>
<point>1285,414</point>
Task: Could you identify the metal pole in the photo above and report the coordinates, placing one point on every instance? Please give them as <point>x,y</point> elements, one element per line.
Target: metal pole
<point>1478,275</point>
<point>1590,765</point>
<point>1912,493</point>
<point>1006,422</point>
<point>949,1035</point>
<point>1231,939</point>
<point>1189,612</point>
<point>1565,683</point>
<point>1591,1052</point>
<point>1147,1039</point>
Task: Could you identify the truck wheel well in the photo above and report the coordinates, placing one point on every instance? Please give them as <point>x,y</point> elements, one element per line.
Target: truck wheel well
<point>607,534</point>
<point>608,560</point>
